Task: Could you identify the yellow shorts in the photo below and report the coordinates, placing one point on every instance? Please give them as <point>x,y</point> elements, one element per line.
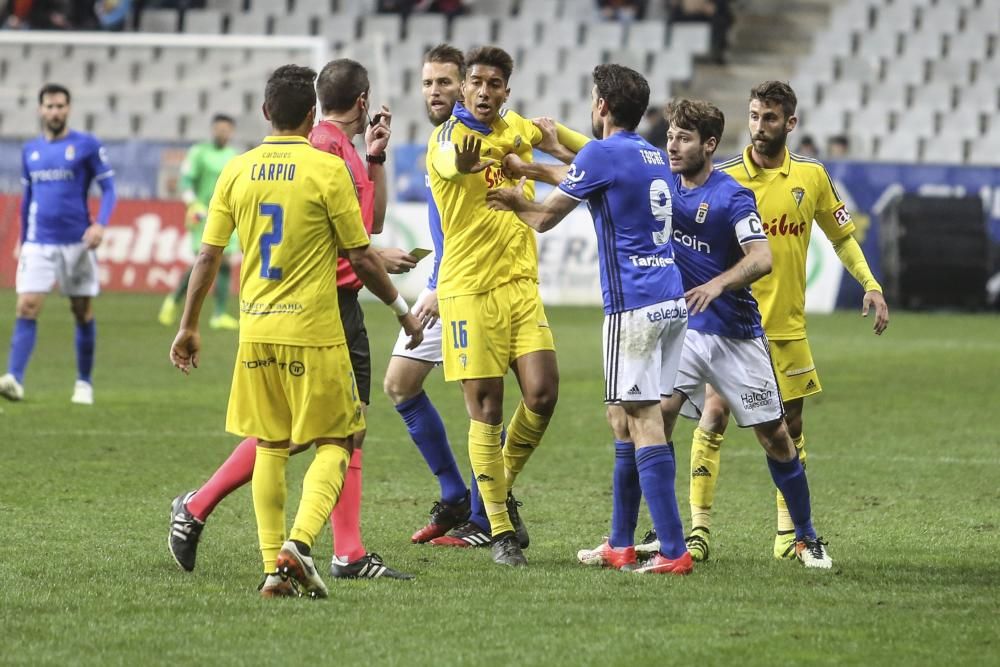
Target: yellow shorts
<point>484,333</point>
<point>793,364</point>
<point>287,392</point>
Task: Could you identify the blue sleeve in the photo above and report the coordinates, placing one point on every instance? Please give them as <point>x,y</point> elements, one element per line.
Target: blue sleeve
<point>744,217</point>
<point>26,197</point>
<point>97,161</point>
<point>589,173</point>
<point>437,237</point>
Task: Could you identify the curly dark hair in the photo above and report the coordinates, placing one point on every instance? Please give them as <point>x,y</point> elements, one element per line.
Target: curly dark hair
<point>289,96</point>
<point>697,116</point>
<point>626,92</point>
<point>776,92</point>
<point>492,56</point>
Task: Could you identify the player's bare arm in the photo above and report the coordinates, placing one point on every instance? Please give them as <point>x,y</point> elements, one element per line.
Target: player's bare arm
<point>93,235</point>
<point>515,167</point>
<point>368,265</point>
<point>539,216</point>
<point>185,349</point>
<point>550,141</point>
<point>467,157</point>
<point>396,260</point>
<point>376,142</point>
<point>755,264</point>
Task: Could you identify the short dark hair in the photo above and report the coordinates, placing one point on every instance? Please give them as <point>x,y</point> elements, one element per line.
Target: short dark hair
<point>839,139</point>
<point>53,89</point>
<point>697,116</point>
<point>446,53</point>
<point>626,92</point>
<point>776,92</point>
<point>223,118</point>
<point>340,83</point>
<point>289,96</point>
<point>493,56</point>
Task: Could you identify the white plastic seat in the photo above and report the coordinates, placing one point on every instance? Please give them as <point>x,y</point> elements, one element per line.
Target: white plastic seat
<point>469,31</point>
<point>693,38</point>
<point>603,36</point>
<point>647,35</point>
<point>290,25</point>
<point>846,94</point>
<point>20,123</point>
<point>427,29</point>
<point>249,23</point>
<point>936,95</point>
<point>159,126</point>
<point>203,21</point>
<point>110,126</point>
<point>864,70</point>
<point>953,71</point>
<point>898,148</point>
<point>160,20</point>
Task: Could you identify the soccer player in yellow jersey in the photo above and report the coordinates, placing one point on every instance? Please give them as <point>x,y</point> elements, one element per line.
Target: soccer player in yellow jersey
<point>490,308</point>
<point>294,210</point>
<point>791,192</point>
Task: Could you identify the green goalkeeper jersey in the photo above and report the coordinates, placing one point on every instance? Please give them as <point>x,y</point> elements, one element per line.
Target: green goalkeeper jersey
<point>201,169</point>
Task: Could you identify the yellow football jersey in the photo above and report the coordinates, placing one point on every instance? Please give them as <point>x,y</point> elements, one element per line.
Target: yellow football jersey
<point>483,249</point>
<point>789,198</point>
<point>293,208</point>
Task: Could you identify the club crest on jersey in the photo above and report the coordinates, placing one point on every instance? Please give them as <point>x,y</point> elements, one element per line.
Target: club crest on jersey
<point>34,157</point>
<point>464,360</point>
<point>70,152</point>
<point>798,194</point>
<point>517,142</point>
<point>702,213</point>
<point>573,177</point>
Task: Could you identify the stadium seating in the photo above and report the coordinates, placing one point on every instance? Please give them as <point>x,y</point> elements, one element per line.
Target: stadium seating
<point>887,72</point>
<point>919,78</point>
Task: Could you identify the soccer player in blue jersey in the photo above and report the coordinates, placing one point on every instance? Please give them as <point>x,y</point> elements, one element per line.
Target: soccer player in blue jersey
<point>721,249</point>
<point>59,238</point>
<point>459,512</point>
<point>626,183</point>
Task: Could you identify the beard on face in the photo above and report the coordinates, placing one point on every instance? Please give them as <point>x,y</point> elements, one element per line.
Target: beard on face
<point>596,126</point>
<point>693,166</point>
<point>55,126</point>
<point>770,147</point>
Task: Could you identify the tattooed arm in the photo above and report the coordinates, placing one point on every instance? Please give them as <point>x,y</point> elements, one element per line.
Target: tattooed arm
<point>756,263</point>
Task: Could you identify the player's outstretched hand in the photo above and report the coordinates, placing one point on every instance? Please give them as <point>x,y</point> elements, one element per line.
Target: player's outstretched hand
<point>506,199</point>
<point>550,139</point>
<point>377,135</point>
<point>397,260</point>
<point>185,349</point>
<point>513,166</point>
<point>467,157</point>
<point>93,235</point>
<point>875,298</point>
<point>427,309</point>
<point>699,297</point>
<point>413,328</point>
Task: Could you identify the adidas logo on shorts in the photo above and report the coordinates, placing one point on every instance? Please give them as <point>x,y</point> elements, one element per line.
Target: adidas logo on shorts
<point>701,471</point>
<point>811,385</point>
<point>634,391</point>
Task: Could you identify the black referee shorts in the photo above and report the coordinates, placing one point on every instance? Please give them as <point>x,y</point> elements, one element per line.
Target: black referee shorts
<point>357,341</point>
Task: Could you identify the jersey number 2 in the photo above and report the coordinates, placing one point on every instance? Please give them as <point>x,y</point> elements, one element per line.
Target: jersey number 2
<point>660,205</point>
<point>270,239</point>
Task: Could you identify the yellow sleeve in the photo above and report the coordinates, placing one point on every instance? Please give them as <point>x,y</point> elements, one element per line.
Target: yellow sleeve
<point>853,259</point>
<point>441,151</point>
<point>571,139</point>
<point>342,207</point>
<point>220,224</point>
<point>832,215</point>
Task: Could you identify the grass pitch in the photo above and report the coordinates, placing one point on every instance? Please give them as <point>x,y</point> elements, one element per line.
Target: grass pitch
<point>904,468</point>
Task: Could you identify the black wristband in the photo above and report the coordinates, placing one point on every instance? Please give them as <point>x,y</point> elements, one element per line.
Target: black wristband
<point>376,159</point>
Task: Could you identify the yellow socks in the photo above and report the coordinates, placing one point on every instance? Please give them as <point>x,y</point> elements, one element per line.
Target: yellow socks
<point>523,435</point>
<point>705,462</point>
<point>320,489</point>
<point>488,463</point>
<point>269,493</point>
<point>785,524</point>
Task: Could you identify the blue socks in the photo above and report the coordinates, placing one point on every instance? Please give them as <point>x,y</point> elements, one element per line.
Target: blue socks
<point>626,496</point>
<point>478,515</point>
<point>656,476</point>
<point>790,478</point>
<point>21,345</point>
<point>86,336</point>
<point>428,433</point>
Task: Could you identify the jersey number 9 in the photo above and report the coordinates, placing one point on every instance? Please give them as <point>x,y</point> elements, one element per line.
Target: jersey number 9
<point>660,205</point>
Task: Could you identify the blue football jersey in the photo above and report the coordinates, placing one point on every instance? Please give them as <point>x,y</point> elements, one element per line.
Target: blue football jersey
<point>437,236</point>
<point>710,224</point>
<point>626,183</point>
<point>57,176</point>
